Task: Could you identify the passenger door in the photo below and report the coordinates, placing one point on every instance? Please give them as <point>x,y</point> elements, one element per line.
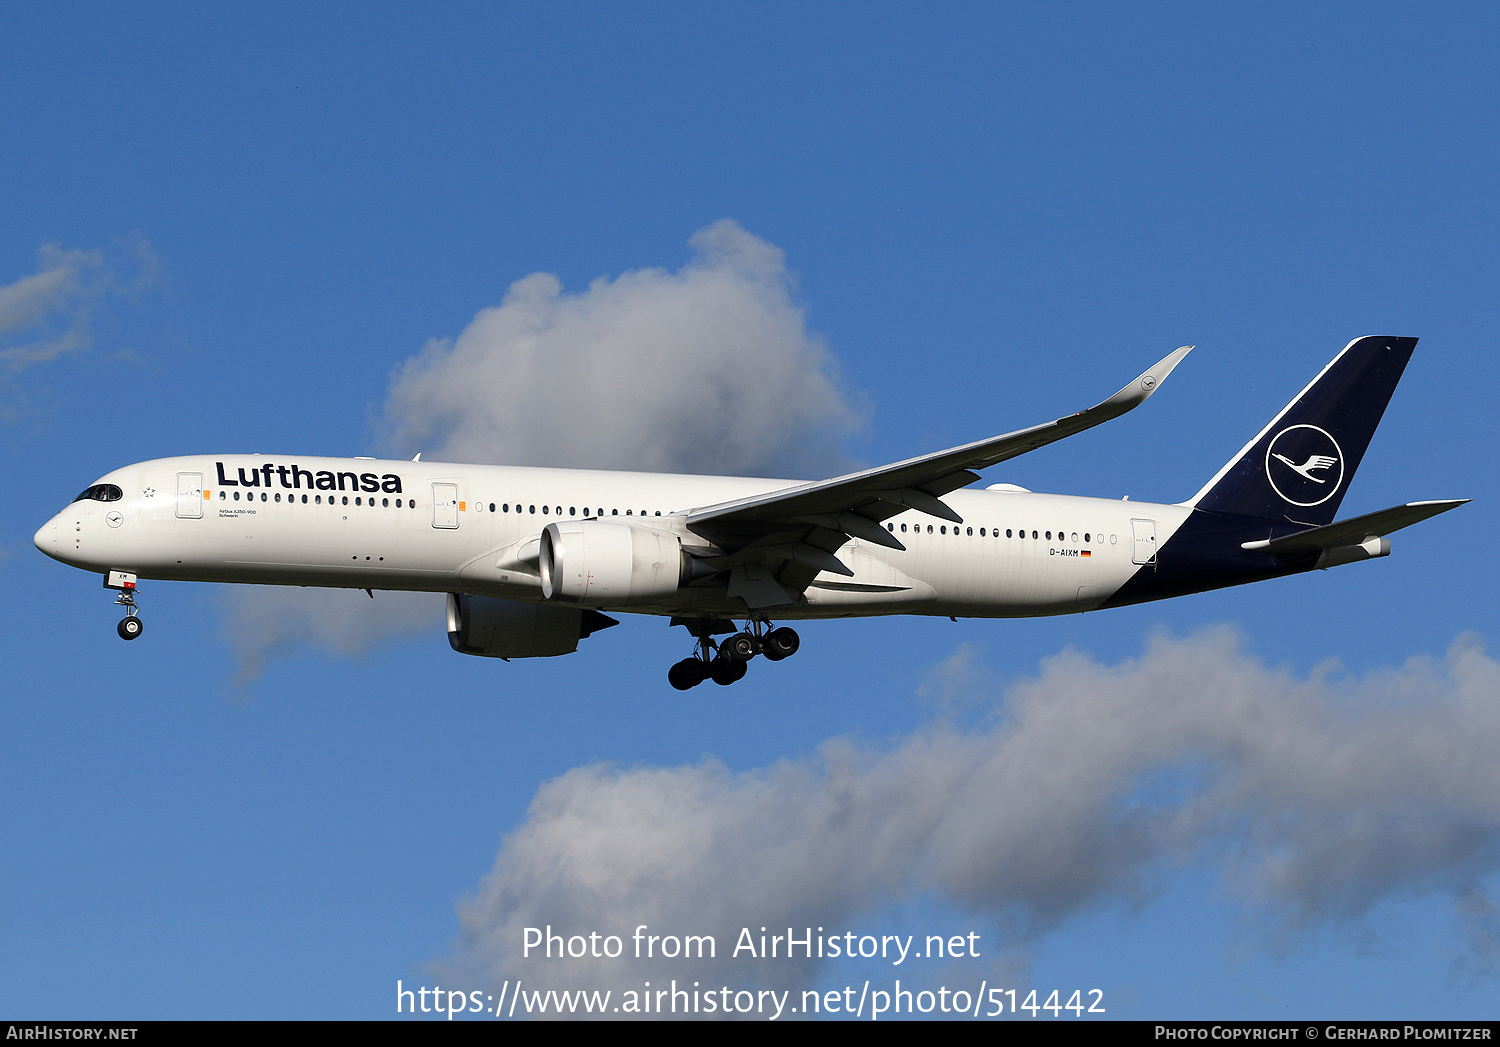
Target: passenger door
<point>1145,541</point>
<point>189,496</point>
<point>445,505</point>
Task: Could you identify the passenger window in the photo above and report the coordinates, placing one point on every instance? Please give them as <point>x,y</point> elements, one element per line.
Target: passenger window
<point>221,496</point>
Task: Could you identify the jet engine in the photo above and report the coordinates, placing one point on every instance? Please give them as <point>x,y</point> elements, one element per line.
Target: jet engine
<point>607,564</point>
<point>495,628</point>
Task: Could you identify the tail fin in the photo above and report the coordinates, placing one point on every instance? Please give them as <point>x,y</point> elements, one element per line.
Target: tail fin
<point>1298,467</point>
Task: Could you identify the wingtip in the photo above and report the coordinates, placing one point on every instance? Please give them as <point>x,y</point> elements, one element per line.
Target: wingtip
<point>1158,372</point>
<point>1149,380</point>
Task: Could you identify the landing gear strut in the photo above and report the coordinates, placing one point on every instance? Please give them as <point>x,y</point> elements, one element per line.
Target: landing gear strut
<point>726,662</point>
<point>131,625</point>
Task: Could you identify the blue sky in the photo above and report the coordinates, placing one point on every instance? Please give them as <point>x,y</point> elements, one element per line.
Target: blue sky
<point>231,230</point>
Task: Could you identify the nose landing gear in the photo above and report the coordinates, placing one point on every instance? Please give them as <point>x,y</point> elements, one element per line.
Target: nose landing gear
<point>131,625</point>
<point>726,662</point>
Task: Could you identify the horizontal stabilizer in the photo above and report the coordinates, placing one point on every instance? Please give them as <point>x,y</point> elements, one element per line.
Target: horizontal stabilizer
<point>1354,531</point>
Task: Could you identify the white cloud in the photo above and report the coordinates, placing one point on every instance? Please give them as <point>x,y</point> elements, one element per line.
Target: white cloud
<point>1321,797</point>
<point>267,621</point>
<point>42,316</point>
<point>46,315</point>
<point>706,369</point>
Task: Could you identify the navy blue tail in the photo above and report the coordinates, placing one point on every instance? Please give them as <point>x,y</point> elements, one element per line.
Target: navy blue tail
<point>1300,465</point>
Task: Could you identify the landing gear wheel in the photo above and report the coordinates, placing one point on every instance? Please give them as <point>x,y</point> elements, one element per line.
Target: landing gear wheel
<point>687,674</point>
<point>780,643</point>
<point>741,647</point>
<point>129,628</point>
<point>725,671</point>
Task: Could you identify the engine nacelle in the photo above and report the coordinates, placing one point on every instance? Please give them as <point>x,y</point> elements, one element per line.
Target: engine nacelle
<point>494,628</point>
<point>606,564</point>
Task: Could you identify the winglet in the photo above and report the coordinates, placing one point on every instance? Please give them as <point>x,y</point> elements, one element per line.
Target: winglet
<point>1135,394</point>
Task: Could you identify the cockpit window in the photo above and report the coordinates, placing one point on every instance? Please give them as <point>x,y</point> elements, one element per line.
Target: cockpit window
<point>101,493</point>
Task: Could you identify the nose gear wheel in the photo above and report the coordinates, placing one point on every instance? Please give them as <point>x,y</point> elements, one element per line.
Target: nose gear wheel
<point>131,625</point>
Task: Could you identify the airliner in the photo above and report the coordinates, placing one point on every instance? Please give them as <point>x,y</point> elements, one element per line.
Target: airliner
<point>532,558</point>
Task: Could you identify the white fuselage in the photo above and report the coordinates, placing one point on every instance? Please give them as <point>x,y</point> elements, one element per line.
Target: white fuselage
<point>428,526</point>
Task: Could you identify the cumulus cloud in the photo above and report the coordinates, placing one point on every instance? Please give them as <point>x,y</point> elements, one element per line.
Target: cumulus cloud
<point>707,369</point>
<point>1319,797</point>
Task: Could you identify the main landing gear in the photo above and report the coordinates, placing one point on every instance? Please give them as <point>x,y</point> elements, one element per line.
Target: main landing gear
<point>131,625</point>
<point>726,662</point>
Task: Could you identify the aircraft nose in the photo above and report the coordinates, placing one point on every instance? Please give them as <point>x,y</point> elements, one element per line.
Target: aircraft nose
<point>46,539</point>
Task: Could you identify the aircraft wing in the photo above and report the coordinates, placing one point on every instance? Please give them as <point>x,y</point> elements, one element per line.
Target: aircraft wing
<point>790,535</point>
